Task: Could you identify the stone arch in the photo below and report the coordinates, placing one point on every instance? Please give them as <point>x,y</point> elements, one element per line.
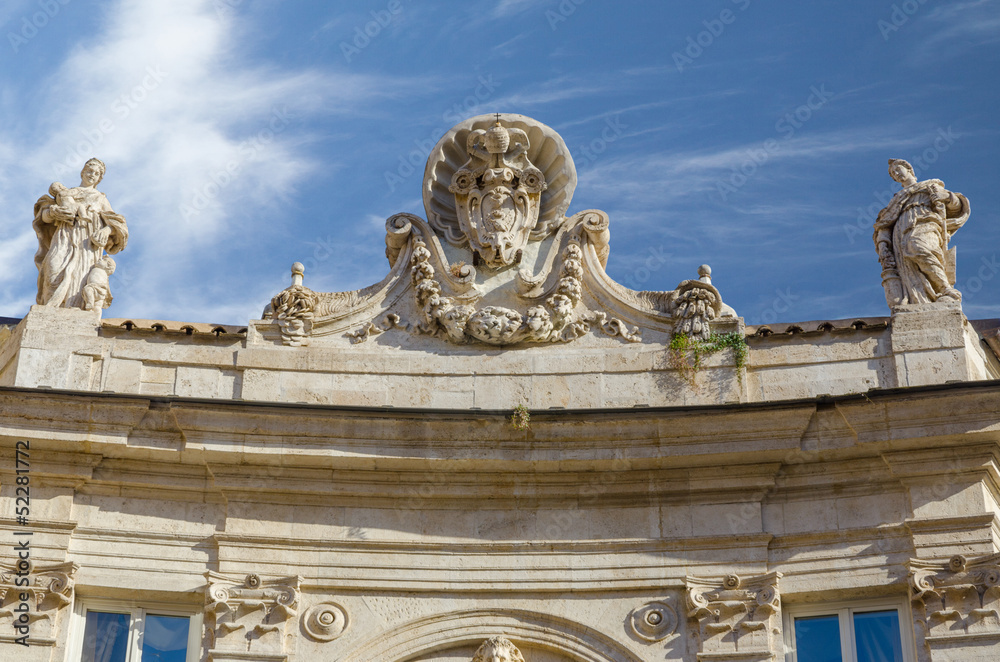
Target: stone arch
<point>443,631</point>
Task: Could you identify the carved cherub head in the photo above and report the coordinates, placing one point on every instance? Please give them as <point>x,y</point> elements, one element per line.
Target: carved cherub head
<point>93,172</point>
<point>498,649</point>
<point>902,172</point>
<point>107,264</point>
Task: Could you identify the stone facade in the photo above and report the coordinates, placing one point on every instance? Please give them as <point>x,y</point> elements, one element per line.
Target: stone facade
<point>342,479</point>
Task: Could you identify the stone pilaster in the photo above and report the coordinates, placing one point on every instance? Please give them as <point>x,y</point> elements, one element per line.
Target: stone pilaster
<point>956,608</point>
<point>736,619</point>
<point>250,618</point>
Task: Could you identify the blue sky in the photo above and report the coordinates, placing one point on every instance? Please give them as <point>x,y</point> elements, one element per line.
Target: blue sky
<point>661,103</point>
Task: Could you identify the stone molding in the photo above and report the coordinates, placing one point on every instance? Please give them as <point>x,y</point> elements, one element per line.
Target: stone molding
<point>438,632</point>
<point>51,591</point>
<point>956,600</point>
<point>249,618</point>
<point>734,618</point>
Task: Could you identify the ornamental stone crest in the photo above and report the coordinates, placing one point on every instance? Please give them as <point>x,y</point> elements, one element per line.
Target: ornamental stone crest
<point>497,194</point>
<point>497,262</point>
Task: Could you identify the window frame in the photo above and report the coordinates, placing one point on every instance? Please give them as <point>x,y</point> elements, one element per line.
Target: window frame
<point>137,611</point>
<point>844,610</point>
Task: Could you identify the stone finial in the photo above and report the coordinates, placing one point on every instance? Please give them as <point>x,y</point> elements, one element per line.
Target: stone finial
<point>911,239</point>
<point>498,649</point>
<point>76,227</point>
<point>705,274</point>
<point>298,273</point>
<point>293,309</point>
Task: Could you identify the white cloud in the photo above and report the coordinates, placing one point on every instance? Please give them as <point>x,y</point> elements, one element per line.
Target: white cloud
<point>196,143</point>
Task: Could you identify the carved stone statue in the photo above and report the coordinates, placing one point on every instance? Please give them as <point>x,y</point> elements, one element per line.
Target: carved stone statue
<point>911,237</point>
<point>75,227</point>
<point>498,649</point>
<point>97,289</point>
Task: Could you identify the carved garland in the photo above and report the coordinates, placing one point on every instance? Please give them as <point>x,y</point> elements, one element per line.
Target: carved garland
<point>494,325</point>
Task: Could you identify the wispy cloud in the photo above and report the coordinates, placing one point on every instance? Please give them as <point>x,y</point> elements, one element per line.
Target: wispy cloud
<point>197,143</point>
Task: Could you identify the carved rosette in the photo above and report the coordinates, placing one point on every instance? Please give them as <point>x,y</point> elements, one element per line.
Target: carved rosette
<point>49,590</point>
<point>654,621</point>
<point>325,621</point>
<point>736,618</point>
<point>958,599</point>
<point>250,617</point>
<point>497,649</point>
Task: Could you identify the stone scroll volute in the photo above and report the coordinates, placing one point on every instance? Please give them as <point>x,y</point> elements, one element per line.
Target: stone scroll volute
<point>736,618</point>
<point>250,618</point>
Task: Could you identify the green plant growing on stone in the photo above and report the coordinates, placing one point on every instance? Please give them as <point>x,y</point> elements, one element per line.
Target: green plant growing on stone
<point>686,353</point>
<point>521,418</point>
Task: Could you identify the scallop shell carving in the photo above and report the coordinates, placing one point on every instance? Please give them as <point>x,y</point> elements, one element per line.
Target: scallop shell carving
<point>546,151</point>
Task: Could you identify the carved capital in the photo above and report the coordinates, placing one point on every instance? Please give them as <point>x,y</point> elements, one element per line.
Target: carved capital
<point>958,599</point>
<point>249,617</point>
<point>736,618</point>
<point>49,589</point>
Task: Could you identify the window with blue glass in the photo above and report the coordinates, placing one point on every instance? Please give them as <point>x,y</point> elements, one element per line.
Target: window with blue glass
<point>849,632</point>
<point>106,631</point>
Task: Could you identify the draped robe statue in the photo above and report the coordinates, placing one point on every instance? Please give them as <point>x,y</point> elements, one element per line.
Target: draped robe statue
<point>75,227</point>
<point>911,237</point>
